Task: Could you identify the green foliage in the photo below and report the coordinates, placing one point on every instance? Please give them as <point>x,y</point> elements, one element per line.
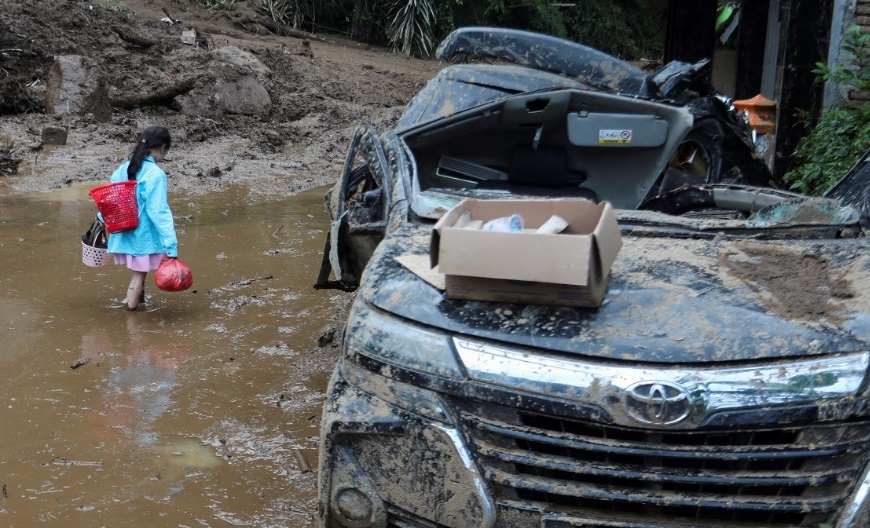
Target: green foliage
<point>629,29</point>
<point>364,20</point>
<point>412,26</point>
<point>854,72</point>
<point>834,146</point>
<point>840,137</point>
<point>534,15</point>
<point>281,11</point>
<point>369,21</point>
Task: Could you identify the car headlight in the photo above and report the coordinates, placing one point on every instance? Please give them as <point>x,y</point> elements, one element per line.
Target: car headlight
<point>407,397</point>
<point>391,340</point>
<point>378,346</point>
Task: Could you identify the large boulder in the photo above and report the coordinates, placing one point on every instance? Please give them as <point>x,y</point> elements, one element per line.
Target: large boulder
<point>240,80</point>
<point>230,62</point>
<point>243,96</point>
<point>75,87</point>
<point>234,81</point>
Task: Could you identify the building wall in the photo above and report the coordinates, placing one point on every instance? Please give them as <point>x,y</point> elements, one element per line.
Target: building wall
<point>847,13</point>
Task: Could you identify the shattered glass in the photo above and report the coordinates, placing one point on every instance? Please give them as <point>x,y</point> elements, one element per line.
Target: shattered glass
<point>804,211</point>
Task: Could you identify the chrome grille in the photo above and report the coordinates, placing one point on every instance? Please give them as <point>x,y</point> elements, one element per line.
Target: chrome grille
<point>789,476</point>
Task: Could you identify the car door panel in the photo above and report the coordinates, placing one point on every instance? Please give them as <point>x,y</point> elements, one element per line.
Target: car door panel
<point>357,204</point>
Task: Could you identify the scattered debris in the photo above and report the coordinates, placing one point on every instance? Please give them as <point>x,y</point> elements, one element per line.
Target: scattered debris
<point>131,36</point>
<point>246,282</point>
<point>80,362</point>
<point>54,135</point>
<point>300,458</point>
<point>64,462</point>
<point>189,37</point>
<point>326,336</point>
<point>169,18</point>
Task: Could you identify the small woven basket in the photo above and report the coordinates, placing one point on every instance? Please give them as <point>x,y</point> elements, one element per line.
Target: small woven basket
<point>94,257</point>
<point>117,203</point>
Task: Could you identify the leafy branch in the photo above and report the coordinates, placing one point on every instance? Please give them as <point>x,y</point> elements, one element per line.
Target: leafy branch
<point>835,144</point>
<point>840,136</point>
<point>855,72</point>
<point>413,26</point>
<point>278,10</point>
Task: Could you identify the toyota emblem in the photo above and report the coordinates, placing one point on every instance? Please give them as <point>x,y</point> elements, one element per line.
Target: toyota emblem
<point>657,403</point>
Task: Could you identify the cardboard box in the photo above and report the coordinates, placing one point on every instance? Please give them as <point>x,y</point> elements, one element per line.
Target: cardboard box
<point>568,269</point>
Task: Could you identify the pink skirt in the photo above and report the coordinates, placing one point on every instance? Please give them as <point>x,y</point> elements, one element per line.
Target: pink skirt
<point>143,263</point>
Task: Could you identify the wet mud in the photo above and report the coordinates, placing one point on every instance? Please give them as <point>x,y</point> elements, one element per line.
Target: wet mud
<point>203,408</point>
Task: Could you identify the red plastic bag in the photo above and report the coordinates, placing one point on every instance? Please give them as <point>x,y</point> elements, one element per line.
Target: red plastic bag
<point>173,275</point>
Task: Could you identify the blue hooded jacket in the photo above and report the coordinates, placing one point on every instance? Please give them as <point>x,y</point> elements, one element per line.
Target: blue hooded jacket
<point>156,230</point>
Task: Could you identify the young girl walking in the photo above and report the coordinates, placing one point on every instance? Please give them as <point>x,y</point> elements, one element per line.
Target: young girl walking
<point>142,249</point>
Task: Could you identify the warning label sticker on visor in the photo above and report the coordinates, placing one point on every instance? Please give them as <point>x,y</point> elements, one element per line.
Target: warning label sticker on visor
<point>614,136</point>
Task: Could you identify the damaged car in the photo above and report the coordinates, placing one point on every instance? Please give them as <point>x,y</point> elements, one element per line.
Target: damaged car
<point>723,380</point>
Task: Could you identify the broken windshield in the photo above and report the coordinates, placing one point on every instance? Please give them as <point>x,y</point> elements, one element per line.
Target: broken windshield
<point>460,87</point>
<point>804,211</point>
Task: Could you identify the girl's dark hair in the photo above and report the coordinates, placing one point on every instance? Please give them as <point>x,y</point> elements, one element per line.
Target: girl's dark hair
<point>152,137</point>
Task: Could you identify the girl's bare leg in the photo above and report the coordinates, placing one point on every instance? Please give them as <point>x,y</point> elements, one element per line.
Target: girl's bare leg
<point>136,289</point>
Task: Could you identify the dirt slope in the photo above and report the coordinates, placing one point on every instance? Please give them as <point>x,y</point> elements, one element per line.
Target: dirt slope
<point>321,86</point>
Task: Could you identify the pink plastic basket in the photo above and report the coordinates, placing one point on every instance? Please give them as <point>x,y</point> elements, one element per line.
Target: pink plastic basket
<point>117,203</point>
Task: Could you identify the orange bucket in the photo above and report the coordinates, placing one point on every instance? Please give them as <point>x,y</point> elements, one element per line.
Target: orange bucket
<point>117,203</point>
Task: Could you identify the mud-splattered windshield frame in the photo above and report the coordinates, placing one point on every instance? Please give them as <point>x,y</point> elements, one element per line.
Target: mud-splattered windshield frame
<point>740,211</point>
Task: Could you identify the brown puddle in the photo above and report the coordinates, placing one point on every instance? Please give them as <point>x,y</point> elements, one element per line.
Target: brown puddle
<point>192,412</point>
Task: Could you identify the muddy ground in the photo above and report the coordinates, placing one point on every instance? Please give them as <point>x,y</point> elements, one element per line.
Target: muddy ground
<point>321,86</point>
<point>199,409</point>
<point>202,408</point>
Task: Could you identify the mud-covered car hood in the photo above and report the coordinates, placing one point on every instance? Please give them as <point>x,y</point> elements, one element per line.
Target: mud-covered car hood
<point>669,300</point>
